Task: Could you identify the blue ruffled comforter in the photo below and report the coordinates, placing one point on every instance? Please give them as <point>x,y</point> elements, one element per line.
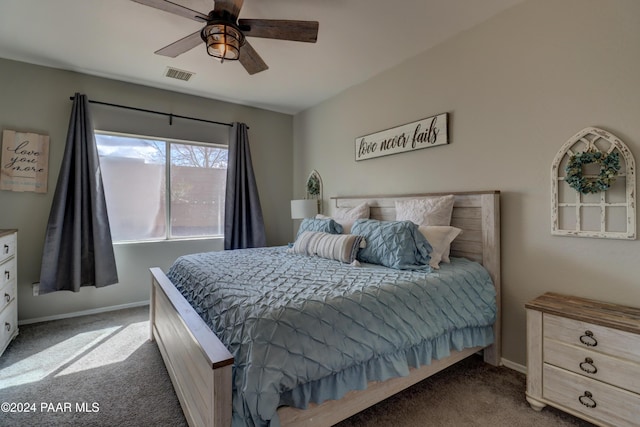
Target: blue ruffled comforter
<point>307,329</point>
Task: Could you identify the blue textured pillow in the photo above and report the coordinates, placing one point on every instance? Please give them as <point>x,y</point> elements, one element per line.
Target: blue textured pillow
<point>394,244</point>
<point>323,225</point>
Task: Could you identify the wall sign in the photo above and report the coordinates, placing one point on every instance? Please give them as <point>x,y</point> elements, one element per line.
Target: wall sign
<point>424,133</point>
<point>24,161</point>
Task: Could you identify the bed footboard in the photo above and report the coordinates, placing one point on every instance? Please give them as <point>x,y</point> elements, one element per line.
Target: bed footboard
<point>199,365</point>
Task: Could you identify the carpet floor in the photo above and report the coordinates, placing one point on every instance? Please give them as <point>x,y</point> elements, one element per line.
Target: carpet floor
<point>102,370</point>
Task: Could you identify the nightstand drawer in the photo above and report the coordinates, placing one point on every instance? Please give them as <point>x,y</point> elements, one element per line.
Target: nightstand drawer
<point>7,294</point>
<point>590,398</point>
<point>8,272</point>
<point>593,337</point>
<point>7,246</point>
<point>611,370</point>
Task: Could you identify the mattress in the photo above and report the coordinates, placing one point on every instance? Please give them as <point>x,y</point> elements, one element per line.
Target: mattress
<point>306,329</point>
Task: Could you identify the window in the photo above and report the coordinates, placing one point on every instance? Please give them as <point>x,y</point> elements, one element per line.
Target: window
<point>162,189</point>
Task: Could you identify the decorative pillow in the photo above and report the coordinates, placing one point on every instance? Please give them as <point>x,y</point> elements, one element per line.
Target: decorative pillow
<point>325,225</point>
<point>358,212</point>
<point>440,238</point>
<point>339,247</point>
<point>347,216</point>
<point>445,256</point>
<point>427,211</point>
<point>394,244</point>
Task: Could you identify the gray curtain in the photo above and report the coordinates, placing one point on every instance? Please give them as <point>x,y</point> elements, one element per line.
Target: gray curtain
<point>243,222</point>
<point>78,250</point>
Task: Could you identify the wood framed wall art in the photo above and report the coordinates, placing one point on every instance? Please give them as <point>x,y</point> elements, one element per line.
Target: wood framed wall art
<point>24,161</point>
<point>424,133</point>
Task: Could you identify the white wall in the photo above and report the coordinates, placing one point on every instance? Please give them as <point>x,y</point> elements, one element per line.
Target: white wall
<point>516,87</point>
<point>36,99</point>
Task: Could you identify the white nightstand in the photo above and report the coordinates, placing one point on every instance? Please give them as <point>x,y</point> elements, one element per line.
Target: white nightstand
<point>583,357</point>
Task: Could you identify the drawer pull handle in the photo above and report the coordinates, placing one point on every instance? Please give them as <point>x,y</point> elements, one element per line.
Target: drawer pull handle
<point>7,297</point>
<point>7,325</point>
<point>7,274</point>
<point>6,249</point>
<point>588,366</point>
<point>588,339</point>
<point>587,400</point>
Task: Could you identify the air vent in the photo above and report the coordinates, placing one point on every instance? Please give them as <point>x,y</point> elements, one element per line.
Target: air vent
<point>174,73</point>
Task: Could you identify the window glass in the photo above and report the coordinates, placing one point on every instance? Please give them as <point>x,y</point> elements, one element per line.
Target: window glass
<point>198,177</point>
<point>136,182</point>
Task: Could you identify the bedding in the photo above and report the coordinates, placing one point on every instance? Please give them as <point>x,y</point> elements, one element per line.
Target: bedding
<point>426,211</point>
<point>394,244</point>
<point>306,329</point>
<point>347,216</point>
<point>440,238</point>
<point>326,225</point>
<point>340,247</point>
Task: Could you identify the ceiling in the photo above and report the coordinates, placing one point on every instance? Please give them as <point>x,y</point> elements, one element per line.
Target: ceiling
<point>116,39</point>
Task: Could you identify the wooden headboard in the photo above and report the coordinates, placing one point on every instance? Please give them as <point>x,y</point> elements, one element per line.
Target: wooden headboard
<point>476,213</point>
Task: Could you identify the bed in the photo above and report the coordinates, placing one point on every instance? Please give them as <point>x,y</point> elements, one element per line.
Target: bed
<point>201,366</point>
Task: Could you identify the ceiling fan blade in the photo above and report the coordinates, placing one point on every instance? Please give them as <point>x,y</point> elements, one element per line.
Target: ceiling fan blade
<point>230,6</point>
<point>181,46</point>
<point>174,8</point>
<point>250,60</point>
<point>300,31</point>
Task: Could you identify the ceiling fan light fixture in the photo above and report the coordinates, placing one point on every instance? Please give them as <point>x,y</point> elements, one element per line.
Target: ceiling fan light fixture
<point>223,40</point>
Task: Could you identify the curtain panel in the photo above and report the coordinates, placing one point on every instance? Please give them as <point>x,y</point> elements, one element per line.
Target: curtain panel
<point>78,250</point>
<point>243,221</point>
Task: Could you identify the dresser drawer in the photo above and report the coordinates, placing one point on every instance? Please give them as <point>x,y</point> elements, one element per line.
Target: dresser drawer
<point>590,398</point>
<point>8,293</point>
<point>8,324</point>
<point>8,272</point>
<point>594,337</point>
<point>611,370</point>
<point>7,246</point>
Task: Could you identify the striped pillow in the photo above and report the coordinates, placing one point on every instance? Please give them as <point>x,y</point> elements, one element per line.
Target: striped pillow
<point>339,247</point>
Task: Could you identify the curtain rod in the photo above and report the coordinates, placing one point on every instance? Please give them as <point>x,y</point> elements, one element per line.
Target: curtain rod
<point>170,115</point>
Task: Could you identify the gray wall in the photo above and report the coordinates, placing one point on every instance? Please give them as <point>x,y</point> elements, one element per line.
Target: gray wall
<point>36,99</point>
<point>516,87</point>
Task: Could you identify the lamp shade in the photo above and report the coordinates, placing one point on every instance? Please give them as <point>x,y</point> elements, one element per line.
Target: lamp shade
<point>304,208</point>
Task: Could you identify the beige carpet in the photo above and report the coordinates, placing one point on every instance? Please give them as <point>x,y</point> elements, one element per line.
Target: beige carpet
<point>101,370</point>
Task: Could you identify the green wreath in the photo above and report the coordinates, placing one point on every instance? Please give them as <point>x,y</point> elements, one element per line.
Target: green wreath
<point>313,185</point>
<point>609,167</point>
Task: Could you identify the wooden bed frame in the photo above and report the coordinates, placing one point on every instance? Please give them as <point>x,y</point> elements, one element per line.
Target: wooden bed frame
<point>200,366</point>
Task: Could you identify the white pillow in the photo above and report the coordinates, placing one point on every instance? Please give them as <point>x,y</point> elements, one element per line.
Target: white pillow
<point>347,216</point>
<point>427,211</point>
<point>445,256</point>
<point>440,238</point>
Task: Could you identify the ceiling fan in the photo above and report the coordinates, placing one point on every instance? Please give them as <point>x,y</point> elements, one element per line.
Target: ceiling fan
<point>224,34</point>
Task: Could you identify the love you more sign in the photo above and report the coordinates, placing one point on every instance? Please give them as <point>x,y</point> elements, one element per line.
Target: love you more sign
<point>24,161</point>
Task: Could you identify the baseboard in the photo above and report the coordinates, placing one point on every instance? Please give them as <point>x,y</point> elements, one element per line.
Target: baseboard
<point>513,365</point>
<point>83,313</point>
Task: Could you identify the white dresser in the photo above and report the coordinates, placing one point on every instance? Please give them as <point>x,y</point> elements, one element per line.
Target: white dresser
<point>583,357</point>
<point>8,287</point>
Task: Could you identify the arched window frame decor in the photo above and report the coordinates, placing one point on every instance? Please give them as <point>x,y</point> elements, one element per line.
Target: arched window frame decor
<point>314,188</point>
<point>594,139</point>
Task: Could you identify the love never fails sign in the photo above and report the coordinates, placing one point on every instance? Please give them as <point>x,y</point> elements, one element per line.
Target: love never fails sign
<point>424,133</point>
